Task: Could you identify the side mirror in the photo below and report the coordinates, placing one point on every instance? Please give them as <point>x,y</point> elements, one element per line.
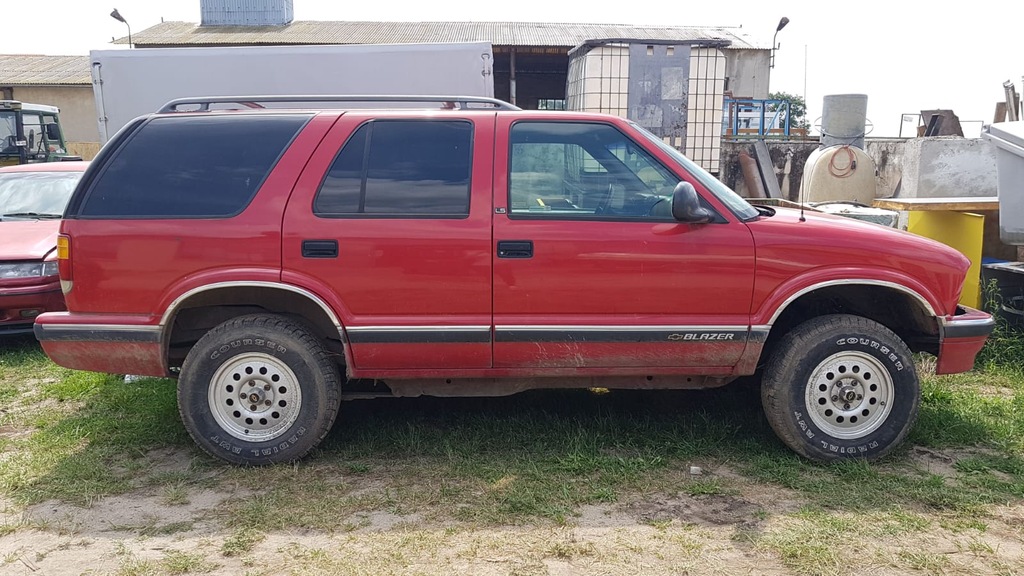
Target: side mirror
<point>31,140</point>
<point>686,205</point>
<point>53,132</point>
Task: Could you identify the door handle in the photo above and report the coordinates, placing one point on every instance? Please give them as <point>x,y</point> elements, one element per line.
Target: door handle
<point>515,249</point>
<point>319,248</point>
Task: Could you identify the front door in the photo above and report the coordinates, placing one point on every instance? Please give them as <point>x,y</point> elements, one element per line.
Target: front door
<point>591,270</point>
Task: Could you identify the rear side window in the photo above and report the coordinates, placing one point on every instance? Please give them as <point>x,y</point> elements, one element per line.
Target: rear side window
<point>196,166</point>
<point>401,168</point>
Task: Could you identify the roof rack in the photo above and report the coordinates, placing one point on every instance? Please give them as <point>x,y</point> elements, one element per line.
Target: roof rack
<point>463,102</point>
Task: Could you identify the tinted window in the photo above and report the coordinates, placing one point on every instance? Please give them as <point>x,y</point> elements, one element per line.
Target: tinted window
<point>401,168</point>
<point>191,166</point>
<point>585,170</point>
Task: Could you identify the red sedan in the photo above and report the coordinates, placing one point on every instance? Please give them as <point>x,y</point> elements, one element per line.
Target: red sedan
<point>32,201</point>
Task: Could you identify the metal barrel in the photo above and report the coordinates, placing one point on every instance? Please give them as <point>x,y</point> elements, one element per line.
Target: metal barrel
<point>843,120</point>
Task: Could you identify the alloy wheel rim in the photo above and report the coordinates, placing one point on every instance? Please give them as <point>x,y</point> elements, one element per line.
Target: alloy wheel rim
<point>255,397</point>
<point>849,395</point>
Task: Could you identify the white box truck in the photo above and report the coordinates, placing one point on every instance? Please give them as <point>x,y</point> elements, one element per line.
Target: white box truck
<point>130,83</point>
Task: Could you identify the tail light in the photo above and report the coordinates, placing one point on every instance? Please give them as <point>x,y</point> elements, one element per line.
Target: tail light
<point>64,262</point>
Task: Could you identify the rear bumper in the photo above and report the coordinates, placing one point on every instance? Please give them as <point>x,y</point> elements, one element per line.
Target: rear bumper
<point>961,338</point>
<point>111,345</point>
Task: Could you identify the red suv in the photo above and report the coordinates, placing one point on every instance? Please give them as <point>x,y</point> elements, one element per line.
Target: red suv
<point>279,260</point>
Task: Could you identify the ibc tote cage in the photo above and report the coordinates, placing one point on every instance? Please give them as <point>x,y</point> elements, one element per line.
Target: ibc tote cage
<point>674,88</point>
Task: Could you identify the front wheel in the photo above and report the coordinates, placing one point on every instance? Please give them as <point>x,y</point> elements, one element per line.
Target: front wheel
<point>841,387</point>
<point>258,389</point>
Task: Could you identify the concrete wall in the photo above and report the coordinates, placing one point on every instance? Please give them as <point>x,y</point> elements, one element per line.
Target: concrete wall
<point>948,166</point>
<point>77,108</point>
<point>747,71</point>
<point>906,168</point>
<point>788,159</point>
<point>888,156</point>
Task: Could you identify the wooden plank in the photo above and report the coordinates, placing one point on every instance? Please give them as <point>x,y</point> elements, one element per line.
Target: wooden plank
<point>1000,115</point>
<point>967,204</point>
<point>767,170</point>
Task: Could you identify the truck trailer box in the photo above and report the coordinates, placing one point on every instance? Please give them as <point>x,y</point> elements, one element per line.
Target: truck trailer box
<point>130,83</point>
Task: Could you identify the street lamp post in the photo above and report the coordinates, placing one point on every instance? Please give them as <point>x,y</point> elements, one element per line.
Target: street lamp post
<point>782,24</point>
<point>117,15</point>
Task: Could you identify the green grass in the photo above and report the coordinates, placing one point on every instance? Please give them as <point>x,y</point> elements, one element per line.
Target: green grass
<point>241,542</point>
<point>86,429</point>
<point>537,455</point>
<point>20,360</point>
<point>1005,346</point>
<point>173,563</point>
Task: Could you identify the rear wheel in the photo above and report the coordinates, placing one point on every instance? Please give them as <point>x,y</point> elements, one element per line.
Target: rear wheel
<point>841,387</point>
<point>258,389</point>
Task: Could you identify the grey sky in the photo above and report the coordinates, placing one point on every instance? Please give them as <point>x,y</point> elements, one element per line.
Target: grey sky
<point>905,56</point>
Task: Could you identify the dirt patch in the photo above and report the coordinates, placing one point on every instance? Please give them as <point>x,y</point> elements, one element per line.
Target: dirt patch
<point>382,521</point>
<point>603,516</point>
<point>130,514</point>
<point>943,462</point>
<point>771,498</point>
<point>996,391</point>
<point>709,510</point>
<point>169,461</point>
<point>13,432</point>
<point>647,534</point>
<point>933,462</point>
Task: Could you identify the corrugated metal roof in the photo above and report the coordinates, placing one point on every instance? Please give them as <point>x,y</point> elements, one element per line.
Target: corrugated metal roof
<point>37,70</point>
<point>497,33</point>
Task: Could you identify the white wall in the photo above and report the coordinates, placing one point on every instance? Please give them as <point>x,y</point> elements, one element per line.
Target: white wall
<point>748,72</point>
<point>947,166</point>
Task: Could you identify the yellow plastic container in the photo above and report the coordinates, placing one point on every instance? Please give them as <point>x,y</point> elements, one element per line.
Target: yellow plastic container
<point>960,230</point>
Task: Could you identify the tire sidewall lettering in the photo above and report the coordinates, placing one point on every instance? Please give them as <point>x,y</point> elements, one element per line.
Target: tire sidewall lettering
<point>250,344</point>
<point>870,345</point>
<point>230,444</point>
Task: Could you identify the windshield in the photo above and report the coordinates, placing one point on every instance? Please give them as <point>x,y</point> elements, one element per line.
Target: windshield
<point>739,206</point>
<point>44,194</point>
<point>7,133</point>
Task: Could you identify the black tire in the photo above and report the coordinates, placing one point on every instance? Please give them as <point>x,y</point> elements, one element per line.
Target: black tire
<point>258,389</point>
<point>841,387</point>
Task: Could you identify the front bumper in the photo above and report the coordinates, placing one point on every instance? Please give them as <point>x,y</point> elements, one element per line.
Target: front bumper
<point>961,338</point>
<point>20,305</point>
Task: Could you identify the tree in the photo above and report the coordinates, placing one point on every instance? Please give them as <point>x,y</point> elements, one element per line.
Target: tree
<point>797,108</point>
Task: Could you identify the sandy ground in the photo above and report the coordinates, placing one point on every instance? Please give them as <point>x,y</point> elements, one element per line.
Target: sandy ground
<point>740,533</point>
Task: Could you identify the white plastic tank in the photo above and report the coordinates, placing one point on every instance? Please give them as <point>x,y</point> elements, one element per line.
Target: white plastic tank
<point>844,119</point>
<point>1008,138</point>
<point>839,174</point>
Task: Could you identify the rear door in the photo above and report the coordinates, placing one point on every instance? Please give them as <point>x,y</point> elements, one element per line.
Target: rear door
<point>590,268</point>
<point>390,221</point>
